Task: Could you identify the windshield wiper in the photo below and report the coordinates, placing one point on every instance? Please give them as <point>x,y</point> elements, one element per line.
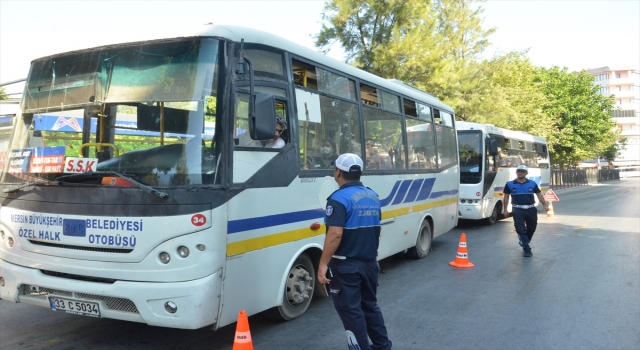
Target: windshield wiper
<point>148,189</point>
<point>27,184</point>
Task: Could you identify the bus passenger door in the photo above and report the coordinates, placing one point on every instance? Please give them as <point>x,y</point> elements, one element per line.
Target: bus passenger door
<point>490,172</point>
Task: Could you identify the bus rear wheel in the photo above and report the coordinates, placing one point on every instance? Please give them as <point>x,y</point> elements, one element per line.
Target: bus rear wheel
<point>423,243</point>
<point>298,291</point>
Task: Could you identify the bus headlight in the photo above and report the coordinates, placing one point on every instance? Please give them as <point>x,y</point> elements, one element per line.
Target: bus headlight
<point>183,251</point>
<point>2,234</point>
<point>164,257</point>
<point>462,201</point>
<point>10,242</point>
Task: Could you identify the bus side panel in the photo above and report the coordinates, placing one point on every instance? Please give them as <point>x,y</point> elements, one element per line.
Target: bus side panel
<point>254,281</point>
<point>407,200</point>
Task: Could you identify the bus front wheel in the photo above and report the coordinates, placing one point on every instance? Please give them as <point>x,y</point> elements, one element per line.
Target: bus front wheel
<point>298,291</point>
<point>494,215</point>
<point>423,243</point>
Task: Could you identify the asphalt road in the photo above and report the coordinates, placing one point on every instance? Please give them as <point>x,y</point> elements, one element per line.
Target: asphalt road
<point>580,290</point>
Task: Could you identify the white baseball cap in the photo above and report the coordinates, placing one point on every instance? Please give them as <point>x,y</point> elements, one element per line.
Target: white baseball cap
<point>349,162</point>
<point>522,167</point>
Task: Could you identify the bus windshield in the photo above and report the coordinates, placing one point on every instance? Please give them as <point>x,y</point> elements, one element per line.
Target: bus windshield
<point>144,110</point>
<point>470,148</point>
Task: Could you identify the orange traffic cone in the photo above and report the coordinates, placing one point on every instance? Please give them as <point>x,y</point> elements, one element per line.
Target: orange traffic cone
<point>243,336</point>
<point>462,258</point>
<point>550,213</point>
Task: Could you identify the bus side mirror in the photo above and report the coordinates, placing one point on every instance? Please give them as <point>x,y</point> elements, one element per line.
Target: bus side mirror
<point>493,147</point>
<point>262,124</point>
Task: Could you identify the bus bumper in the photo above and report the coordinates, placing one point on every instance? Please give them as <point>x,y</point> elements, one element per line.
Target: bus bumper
<point>197,301</point>
<point>470,211</point>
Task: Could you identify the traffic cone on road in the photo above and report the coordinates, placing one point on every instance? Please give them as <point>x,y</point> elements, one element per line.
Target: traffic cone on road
<point>550,213</point>
<point>243,336</point>
<point>462,258</point>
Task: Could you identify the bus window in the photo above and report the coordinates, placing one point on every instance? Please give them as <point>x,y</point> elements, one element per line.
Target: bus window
<point>390,101</point>
<point>315,78</point>
<point>385,130</point>
<point>446,138</point>
<point>369,95</point>
<point>265,61</point>
<point>410,108</point>
<point>335,84</point>
<point>323,118</point>
<point>421,144</point>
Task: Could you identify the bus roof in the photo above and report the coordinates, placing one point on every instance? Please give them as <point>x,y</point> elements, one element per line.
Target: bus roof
<point>254,36</point>
<point>491,129</point>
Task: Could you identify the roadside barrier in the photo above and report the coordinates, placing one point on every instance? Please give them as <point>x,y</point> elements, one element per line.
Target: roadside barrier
<point>462,257</point>
<point>562,178</point>
<point>243,335</point>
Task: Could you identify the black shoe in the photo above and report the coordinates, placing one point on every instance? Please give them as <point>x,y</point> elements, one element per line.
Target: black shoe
<point>527,253</point>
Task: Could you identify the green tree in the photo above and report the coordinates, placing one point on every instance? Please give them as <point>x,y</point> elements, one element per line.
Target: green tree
<point>433,45</point>
<point>581,115</point>
<point>2,94</point>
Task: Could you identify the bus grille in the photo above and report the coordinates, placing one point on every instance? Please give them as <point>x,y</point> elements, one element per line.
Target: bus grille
<point>119,304</point>
<point>77,247</point>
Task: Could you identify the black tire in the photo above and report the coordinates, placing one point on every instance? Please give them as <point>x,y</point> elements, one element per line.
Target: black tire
<point>298,291</point>
<point>423,243</point>
<point>494,216</point>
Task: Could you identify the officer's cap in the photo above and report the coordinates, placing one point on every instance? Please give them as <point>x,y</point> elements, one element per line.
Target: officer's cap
<point>523,168</point>
<point>349,162</point>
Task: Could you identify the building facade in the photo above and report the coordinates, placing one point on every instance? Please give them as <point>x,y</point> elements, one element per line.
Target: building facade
<point>624,84</point>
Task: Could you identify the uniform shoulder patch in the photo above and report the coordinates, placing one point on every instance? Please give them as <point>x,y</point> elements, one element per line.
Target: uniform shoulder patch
<point>329,210</point>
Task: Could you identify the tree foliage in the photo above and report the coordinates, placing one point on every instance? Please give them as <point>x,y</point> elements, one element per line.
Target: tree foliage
<point>582,116</point>
<point>437,46</point>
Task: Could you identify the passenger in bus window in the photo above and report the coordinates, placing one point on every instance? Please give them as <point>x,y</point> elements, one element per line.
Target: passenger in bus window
<point>327,154</point>
<point>373,157</point>
<point>277,141</point>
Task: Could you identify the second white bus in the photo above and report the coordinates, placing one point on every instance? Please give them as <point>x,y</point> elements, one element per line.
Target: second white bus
<point>489,157</point>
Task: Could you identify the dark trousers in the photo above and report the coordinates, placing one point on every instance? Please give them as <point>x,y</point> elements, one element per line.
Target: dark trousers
<point>353,288</point>
<point>525,221</point>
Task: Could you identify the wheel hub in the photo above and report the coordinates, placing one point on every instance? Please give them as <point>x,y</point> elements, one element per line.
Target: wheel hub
<point>299,286</point>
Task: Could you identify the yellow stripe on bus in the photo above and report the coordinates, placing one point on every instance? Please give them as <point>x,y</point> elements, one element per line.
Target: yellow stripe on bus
<point>258,243</point>
<point>431,205</point>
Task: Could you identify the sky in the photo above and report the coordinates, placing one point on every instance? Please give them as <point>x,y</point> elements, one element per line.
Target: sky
<point>577,34</point>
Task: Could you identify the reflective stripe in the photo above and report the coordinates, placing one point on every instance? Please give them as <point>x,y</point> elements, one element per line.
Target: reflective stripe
<point>522,206</point>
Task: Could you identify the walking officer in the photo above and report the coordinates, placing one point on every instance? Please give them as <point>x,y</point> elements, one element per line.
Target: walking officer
<point>525,214</point>
<point>348,263</point>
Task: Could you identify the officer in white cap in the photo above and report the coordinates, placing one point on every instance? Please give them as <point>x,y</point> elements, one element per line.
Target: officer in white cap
<point>525,214</point>
<point>349,258</point>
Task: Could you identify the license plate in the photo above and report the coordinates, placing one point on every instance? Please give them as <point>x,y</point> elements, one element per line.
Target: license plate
<point>77,307</point>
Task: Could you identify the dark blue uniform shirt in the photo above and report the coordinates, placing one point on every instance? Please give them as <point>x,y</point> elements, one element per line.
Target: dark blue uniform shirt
<point>522,193</point>
<point>356,209</point>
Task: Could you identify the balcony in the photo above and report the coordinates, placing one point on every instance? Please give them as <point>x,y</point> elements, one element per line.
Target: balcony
<point>619,81</point>
<point>625,93</point>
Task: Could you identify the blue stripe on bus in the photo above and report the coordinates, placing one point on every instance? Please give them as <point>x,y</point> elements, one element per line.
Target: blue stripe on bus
<point>273,220</point>
<point>413,190</point>
<point>386,201</point>
<point>402,191</point>
<point>444,193</point>
<point>425,191</point>
<point>496,189</point>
